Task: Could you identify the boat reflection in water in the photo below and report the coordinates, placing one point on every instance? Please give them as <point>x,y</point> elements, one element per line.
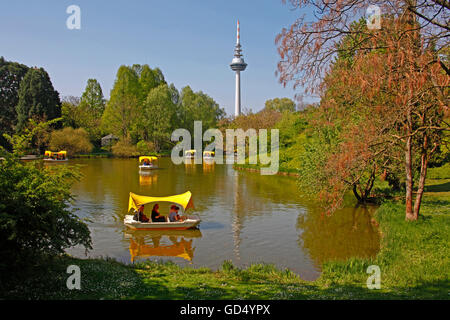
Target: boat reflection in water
<point>147,178</point>
<point>162,243</point>
<point>208,165</point>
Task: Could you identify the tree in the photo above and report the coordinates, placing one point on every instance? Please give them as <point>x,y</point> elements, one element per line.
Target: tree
<point>198,106</point>
<point>70,112</point>
<point>308,47</point>
<point>388,106</point>
<point>11,74</point>
<point>38,99</point>
<point>283,104</point>
<point>121,110</point>
<point>90,110</point>
<point>158,116</point>
<point>74,141</point>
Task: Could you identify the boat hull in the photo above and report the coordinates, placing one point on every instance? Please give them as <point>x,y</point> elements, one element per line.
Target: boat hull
<point>151,167</point>
<point>183,225</point>
<point>53,160</point>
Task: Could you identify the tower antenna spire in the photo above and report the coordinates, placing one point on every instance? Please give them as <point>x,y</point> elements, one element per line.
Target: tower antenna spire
<point>238,65</point>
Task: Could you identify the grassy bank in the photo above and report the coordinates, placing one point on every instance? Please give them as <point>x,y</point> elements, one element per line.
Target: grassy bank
<point>413,260</point>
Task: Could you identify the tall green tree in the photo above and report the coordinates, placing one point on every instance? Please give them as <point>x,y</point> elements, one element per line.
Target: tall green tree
<point>121,110</point>
<point>91,108</point>
<point>158,116</point>
<point>198,106</point>
<point>38,99</point>
<point>11,74</point>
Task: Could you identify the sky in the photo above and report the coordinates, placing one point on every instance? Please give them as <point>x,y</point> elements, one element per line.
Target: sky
<point>191,41</point>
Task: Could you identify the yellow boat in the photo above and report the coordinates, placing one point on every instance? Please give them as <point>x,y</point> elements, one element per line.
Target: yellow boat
<point>190,154</point>
<point>55,156</point>
<point>183,200</point>
<point>148,162</point>
<point>208,155</point>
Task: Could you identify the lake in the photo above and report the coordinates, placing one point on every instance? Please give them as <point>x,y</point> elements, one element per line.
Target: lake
<point>246,218</point>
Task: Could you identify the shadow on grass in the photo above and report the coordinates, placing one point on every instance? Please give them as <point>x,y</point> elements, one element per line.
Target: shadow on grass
<point>106,279</point>
<point>443,187</point>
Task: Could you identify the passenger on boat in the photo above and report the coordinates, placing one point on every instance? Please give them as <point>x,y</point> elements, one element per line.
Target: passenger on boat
<point>140,216</point>
<point>174,216</point>
<point>156,217</point>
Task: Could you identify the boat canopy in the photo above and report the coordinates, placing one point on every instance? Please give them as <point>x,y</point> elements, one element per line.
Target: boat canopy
<point>50,153</point>
<point>150,158</point>
<point>190,151</point>
<point>184,200</point>
<point>208,153</point>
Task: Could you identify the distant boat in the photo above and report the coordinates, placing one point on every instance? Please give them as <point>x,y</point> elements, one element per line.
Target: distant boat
<point>55,156</point>
<point>190,154</point>
<point>208,155</point>
<point>148,162</point>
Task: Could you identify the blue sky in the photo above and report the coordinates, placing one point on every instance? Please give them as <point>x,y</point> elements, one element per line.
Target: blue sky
<point>192,41</point>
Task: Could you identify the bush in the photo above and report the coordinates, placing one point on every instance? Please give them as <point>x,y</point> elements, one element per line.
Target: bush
<point>124,149</point>
<point>35,219</point>
<point>145,147</point>
<point>72,140</point>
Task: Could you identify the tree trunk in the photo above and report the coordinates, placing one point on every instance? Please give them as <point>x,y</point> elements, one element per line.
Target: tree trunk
<point>409,179</point>
<point>423,174</point>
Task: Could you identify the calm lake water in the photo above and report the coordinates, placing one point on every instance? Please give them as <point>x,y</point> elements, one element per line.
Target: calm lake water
<point>246,218</point>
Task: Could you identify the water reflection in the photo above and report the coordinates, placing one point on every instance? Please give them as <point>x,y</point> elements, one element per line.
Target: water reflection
<point>147,178</point>
<point>171,243</point>
<point>349,232</point>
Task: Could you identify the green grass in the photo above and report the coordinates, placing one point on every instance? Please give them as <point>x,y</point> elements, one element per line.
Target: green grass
<point>413,261</point>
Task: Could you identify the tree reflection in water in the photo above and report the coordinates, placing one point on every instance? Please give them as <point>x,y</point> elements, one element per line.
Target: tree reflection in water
<point>349,232</point>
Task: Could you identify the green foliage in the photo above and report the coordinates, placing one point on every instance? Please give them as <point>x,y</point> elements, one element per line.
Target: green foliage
<point>121,110</point>
<point>280,105</point>
<point>198,106</point>
<point>158,117</point>
<point>90,110</point>
<point>74,141</point>
<point>124,149</point>
<point>38,99</point>
<point>35,219</point>
<point>11,74</point>
<point>145,148</point>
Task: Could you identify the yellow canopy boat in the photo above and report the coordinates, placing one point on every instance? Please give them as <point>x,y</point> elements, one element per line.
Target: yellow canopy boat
<point>208,154</point>
<point>55,156</point>
<point>190,153</point>
<point>183,200</point>
<point>147,162</point>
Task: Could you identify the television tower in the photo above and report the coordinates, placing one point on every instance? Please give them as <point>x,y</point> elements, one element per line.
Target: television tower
<point>238,65</point>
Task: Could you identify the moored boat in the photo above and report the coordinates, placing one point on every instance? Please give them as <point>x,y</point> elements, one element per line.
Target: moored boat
<point>55,156</point>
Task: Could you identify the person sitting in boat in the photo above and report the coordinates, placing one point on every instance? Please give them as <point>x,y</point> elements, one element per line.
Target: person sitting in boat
<point>140,216</point>
<point>174,216</point>
<point>156,217</point>
<point>146,162</point>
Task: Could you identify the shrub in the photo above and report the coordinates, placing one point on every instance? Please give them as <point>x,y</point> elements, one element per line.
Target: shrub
<point>35,219</point>
<point>145,147</point>
<point>123,148</point>
<point>72,140</point>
